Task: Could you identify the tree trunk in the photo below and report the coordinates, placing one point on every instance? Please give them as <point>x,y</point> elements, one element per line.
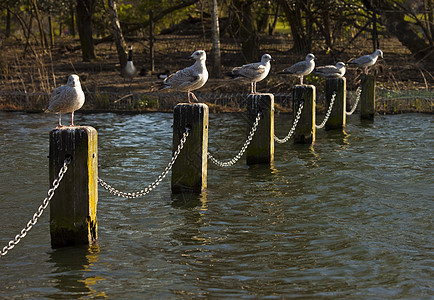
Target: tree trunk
<point>215,30</point>
<point>117,33</point>
<point>8,23</point>
<point>39,20</point>
<point>85,10</point>
<point>247,31</point>
<point>302,42</point>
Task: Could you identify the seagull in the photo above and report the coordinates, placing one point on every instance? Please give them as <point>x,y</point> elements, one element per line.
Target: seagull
<point>367,60</point>
<point>67,98</point>
<point>190,78</point>
<point>301,68</point>
<point>129,70</point>
<point>253,72</point>
<point>337,71</point>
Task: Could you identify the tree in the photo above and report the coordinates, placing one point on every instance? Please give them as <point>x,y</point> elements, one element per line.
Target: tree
<point>85,10</point>
<point>216,59</point>
<point>393,15</point>
<point>117,33</point>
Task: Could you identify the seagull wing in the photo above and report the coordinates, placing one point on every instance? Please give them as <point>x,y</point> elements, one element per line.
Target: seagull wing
<point>181,78</point>
<point>363,60</point>
<point>250,71</point>
<point>297,68</point>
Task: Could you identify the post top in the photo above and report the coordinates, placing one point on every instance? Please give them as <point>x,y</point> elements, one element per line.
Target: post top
<point>74,128</point>
<point>192,104</point>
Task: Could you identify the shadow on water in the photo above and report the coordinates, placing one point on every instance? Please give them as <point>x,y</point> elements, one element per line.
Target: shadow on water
<point>72,272</point>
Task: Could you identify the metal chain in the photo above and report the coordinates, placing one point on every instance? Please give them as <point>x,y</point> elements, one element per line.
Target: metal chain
<point>329,111</point>
<point>243,149</point>
<point>41,209</point>
<point>358,93</point>
<point>291,132</point>
<point>150,187</point>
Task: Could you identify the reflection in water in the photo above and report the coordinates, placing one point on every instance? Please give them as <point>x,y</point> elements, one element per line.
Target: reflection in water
<point>71,272</point>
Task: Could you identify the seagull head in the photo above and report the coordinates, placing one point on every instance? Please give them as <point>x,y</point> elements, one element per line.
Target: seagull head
<point>340,65</point>
<point>199,55</point>
<point>378,53</point>
<point>266,58</point>
<point>310,57</point>
<point>73,80</point>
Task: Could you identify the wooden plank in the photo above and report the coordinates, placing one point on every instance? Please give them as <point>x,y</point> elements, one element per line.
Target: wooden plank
<point>189,172</point>
<point>73,208</point>
<point>305,130</point>
<point>261,148</point>
<point>338,115</point>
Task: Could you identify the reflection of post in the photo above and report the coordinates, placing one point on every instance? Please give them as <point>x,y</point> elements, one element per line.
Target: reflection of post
<point>73,206</point>
<point>338,114</point>
<point>367,97</point>
<point>305,130</point>
<point>261,148</point>
<point>189,171</point>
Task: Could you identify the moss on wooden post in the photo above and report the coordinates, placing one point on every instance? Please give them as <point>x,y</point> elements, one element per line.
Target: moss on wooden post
<point>73,208</point>
<point>338,115</point>
<point>189,172</point>
<point>367,97</point>
<point>305,130</point>
<point>261,148</point>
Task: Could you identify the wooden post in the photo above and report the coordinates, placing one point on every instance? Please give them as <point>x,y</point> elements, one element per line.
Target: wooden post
<point>338,115</point>
<point>367,97</point>
<point>73,207</point>
<point>189,172</point>
<point>261,148</point>
<point>305,130</point>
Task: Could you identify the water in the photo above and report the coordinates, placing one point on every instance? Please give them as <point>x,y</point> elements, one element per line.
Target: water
<point>350,217</point>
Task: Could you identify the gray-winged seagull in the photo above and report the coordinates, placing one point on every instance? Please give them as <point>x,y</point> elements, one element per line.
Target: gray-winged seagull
<point>67,98</point>
<point>190,78</point>
<point>367,60</point>
<point>301,68</point>
<point>253,72</point>
<point>337,71</point>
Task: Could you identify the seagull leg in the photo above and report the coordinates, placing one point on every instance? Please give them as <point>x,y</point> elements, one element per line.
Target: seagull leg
<point>194,97</point>
<point>254,87</point>
<point>60,120</point>
<point>251,88</point>
<point>301,80</point>
<point>72,119</point>
<point>188,96</point>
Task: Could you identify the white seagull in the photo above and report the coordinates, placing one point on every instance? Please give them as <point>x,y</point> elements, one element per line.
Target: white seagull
<point>337,71</point>
<point>190,78</point>
<point>253,72</point>
<point>67,98</point>
<point>367,60</point>
<point>301,68</point>
<point>129,70</point>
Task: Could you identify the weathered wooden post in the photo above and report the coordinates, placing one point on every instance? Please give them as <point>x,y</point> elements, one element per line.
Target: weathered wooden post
<point>305,130</point>
<point>338,115</point>
<point>261,148</point>
<point>189,172</point>
<point>367,97</point>
<point>73,208</point>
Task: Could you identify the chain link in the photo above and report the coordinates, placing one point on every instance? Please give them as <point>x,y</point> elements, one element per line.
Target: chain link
<point>358,93</point>
<point>41,208</point>
<point>150,187</point>
<point>329,111</point>
<point>291,131</point>
<point>243,149</point>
